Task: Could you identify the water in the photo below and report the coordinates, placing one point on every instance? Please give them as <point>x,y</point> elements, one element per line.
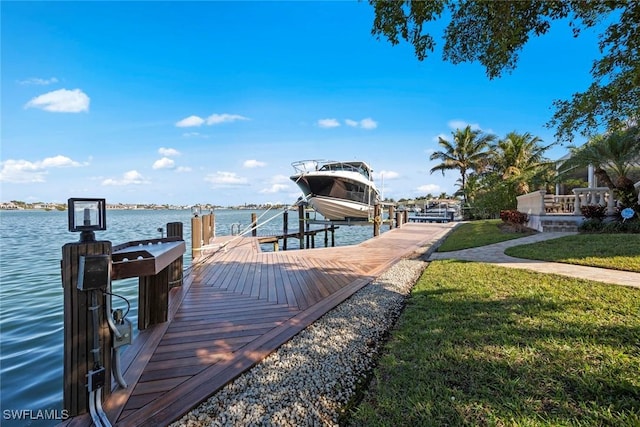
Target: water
<point>31,298</point>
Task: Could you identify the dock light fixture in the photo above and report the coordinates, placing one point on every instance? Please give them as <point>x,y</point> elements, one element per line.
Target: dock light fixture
<point>87,216</point>
<point>195,211</point>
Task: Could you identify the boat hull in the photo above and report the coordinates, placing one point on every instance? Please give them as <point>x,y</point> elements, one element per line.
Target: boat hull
<point>340,209</point>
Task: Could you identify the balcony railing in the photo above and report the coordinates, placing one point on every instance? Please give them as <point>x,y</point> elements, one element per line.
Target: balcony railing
<point>540,203</point>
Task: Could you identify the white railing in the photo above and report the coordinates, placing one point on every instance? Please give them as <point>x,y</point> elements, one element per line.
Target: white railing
<point>602,196</point>
<point>559,204</point>
<point>541,203</point>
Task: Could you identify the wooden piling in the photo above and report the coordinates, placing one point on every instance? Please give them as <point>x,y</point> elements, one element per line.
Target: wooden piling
<point>196,237</point>
<point>377,220</point>
<point>153,299</point>
<point>207,229</point>
<point>391,216</point>
<point>307,228</point>
<point>301,225</point>
<point>254,224</point>
<point>78,329</point>
<point>285,228</point>
<point>398,219</point>
<point>333,235</point>
<point>326,236</point>
<point>175,229</point>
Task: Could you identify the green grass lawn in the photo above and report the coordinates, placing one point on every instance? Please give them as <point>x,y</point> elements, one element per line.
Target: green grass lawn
<point>477,233</point>
<point>615,251</point>
<point>481,345</point>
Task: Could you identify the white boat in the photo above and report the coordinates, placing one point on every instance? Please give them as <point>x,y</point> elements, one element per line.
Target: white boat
<point>339,191</point>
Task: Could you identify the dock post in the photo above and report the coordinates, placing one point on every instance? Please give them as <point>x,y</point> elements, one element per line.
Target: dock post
<point>175,229</point>
<point>377,220</point>
<point>301,225</point>
<point>206,229</point>
<point>196,237</point>
<point>326,236</point>
<point>254,224</point>
<point>78,332</point>
<point>398,219</point>
<point>285,228</point>
<point>307,227</point>
<point>405,217</point>
<point>333,236</point>
<point>153,299</point>
<point>213,224</point>
<point>391,216</point>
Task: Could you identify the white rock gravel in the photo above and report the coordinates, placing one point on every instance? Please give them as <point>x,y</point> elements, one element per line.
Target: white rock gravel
<point>310,379</point>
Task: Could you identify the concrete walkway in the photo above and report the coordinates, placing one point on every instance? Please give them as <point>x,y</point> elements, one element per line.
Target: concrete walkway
<point>494,254</point>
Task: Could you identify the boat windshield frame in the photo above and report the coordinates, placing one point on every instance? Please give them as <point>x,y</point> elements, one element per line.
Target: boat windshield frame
<point>307,166</point>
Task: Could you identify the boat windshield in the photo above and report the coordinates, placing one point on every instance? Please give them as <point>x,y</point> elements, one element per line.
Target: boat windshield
<point>360,168</point>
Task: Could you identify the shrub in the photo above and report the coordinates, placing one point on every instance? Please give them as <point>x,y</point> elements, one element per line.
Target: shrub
<point>513,216</point>
<point>614,227</point>
<point>591,226</point>
<point>597,212</point>
<point>622,227</point>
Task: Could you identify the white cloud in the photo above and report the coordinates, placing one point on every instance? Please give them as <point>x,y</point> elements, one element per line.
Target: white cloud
<point>275,188</point>
<point>61,101</point>
<point>59,162</point>
<point>132,177</point>
<point>38,81</point>
<point>368,123</point>
<point>194,135</point>
<point>23,171</point>
<point>253,164</point>
<point>216,119</point>
<point>225,179</point>
<point>168,152</point>
<point>183,169</point>
<point>190,122</point>
<point>429,188</point>
<point>279,184</point>
<point>461,124</point>
<point>164,163</point>
<point>328,123</point>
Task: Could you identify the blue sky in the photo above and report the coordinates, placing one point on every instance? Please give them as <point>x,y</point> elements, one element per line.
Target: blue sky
<point>211,102</point>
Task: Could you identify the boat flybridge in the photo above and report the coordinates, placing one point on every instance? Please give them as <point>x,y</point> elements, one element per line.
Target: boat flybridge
<point>339,191</point>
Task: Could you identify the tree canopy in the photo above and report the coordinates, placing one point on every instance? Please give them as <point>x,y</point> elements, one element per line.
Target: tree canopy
<point>494,33</point>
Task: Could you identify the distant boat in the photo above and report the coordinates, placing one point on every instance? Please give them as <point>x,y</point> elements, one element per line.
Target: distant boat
<point>339,191</point>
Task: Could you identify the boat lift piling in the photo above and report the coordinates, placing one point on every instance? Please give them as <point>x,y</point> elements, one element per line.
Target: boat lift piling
<point>203,231</point>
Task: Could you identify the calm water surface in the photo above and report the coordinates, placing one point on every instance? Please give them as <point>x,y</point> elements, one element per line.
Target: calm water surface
<point>31,299</point>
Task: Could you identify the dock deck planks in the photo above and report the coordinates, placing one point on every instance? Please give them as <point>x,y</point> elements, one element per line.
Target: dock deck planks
<point>235,309</point>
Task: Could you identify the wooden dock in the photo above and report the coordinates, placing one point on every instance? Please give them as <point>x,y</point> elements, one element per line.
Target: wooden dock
<point>234,309</point>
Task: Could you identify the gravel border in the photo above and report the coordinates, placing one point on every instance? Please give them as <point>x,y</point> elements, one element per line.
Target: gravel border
<point>312,378</point>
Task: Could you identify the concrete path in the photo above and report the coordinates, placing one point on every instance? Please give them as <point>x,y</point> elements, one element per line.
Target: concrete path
<point>494,254</point>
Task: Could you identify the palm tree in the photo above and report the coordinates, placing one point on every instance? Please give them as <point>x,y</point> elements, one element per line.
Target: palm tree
<point>614,156</point>
<point>469,151</point>
<point>519,159</point>
<point>474,186</point>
